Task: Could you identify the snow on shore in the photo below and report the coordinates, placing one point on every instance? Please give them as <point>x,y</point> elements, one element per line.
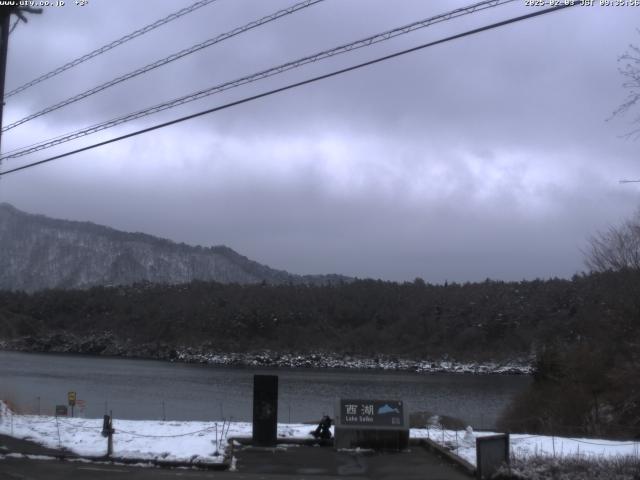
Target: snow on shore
<point>524,445</point>
<point>139,439</point>
<point>328,360</point>
<point>107,345</point>
<point>198,442</point>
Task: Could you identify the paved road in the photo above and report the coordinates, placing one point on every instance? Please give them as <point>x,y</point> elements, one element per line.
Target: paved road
<point>310,462</point>
<point>282,463</point>
<point>262,465</point>
<point>18,469</point>
<point>11,444</point>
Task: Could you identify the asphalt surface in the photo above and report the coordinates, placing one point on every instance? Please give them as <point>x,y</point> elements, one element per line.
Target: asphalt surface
<point>11,444</point>
<point>18,469</point>
<point>313,462</point>
<point>281,463</point>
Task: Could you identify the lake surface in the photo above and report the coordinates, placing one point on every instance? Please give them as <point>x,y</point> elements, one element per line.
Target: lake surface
<point>147,389</point>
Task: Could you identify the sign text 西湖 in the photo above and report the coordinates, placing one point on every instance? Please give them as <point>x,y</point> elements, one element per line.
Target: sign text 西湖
<point>374,413</point>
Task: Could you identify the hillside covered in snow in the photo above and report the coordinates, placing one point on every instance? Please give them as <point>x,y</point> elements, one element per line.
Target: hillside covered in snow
<point>37,252</point>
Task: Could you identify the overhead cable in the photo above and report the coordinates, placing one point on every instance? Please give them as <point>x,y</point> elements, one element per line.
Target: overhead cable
<point>365,42</point>
<point>109,46</point>
<point>163,61</point>
<point>293,85</point>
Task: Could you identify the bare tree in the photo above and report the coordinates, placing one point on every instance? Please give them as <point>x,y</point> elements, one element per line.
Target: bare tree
<point>618,248</point>
<point>630,70</point>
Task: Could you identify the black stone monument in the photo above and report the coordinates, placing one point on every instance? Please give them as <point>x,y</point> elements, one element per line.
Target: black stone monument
<point>265,409</point>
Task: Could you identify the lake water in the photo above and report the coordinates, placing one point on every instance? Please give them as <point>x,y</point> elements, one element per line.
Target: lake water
<point>146,389</point>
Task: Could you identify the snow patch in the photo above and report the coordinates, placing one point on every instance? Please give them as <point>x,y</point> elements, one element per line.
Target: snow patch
<point>189,441</point>
<point>462,443</point>
<point>195,442</point>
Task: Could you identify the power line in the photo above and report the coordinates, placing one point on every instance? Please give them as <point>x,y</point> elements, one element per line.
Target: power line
<point>5,19</point>
<point>109,46</point>
<point>163,61</point>
<point>295,85</point>
<point>365,42</point>
<point>276,70</point>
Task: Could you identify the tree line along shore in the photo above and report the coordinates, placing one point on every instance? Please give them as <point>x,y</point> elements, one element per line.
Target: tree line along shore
<point>581,335</point>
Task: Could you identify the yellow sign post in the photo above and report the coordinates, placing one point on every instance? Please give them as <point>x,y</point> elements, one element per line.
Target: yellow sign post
<point>71,397</point>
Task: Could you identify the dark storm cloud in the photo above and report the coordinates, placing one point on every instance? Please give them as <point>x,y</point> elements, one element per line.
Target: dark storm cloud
<point>484,157</point>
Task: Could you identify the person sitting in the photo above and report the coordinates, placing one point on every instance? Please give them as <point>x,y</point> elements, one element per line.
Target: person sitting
<point>323,430</point>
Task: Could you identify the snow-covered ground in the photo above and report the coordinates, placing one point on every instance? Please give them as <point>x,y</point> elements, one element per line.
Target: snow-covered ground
<point>524,446</point>
<point>140,439</point>
<point>200,441</point>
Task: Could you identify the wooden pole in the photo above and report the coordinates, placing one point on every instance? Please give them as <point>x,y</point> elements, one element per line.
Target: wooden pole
<point>5,25</point>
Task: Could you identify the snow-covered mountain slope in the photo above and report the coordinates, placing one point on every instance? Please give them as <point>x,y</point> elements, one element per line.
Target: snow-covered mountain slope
<point>37,252</point>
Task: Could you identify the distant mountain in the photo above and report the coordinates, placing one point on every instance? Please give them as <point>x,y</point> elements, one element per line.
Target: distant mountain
<point>38,252</point>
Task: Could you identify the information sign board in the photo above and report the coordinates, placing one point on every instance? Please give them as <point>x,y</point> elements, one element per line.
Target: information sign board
<point>377,424</point>
<point>61,411</point>
<point>372,413</point>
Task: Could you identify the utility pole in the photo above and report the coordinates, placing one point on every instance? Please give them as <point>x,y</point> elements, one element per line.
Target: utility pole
<point>4,38</point>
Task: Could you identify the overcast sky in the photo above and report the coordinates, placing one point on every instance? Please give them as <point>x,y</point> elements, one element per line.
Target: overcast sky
<point>488,156</point>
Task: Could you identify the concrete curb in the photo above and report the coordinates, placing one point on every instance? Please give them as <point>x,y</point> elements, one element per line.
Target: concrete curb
<point>310,442</point>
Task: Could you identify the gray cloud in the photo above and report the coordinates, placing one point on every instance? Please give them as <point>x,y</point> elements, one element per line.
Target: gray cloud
<point>484,157</point>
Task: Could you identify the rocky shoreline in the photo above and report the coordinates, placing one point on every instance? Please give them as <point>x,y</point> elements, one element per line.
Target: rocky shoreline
<point>107,344</point>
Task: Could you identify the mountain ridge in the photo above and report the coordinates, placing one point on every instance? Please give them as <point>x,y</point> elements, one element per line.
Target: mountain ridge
<point>39,252</point>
